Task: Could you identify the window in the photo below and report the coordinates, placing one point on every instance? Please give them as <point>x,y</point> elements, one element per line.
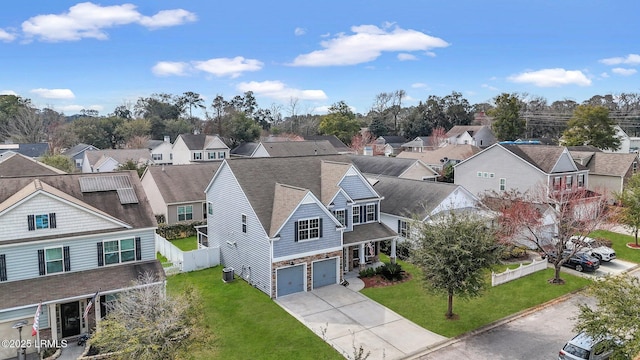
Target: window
<point>156,157</point>
<point>210,208</point>
<point>355,215</point>
<point>308,229</point>
<point>211,155</point>
<point>568,182</point>
<point>403,228</point>
<point>197,156</point>
<point>117,251</point>
<point>479,174</point>
<point>371,212</point>
<point>42,221</point>
<point>171,156</point>
<point>634,167</point>
<point>244,223</point>
<point>53,260</point>
<point>580,180</point>
<point>341,215</point>
<point>221,155</point>
<point>503,184</point>
<point>557,182</point>
<point>185,212</point>
<point>485,174</point>
<point>492,175</point>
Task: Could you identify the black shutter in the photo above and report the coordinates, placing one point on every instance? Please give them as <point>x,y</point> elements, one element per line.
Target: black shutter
<point>346,217</point>
<point>52,220</point>
<point>138,249</point>
<point>375,211</point>
<point>31,220</point>
<point>3,268</point>
<point>320,225</point>
<point>295,231</point>
<point>399,226</point>
<point>363,214</point>
<point>100,255</point>
<point>67,258</point>
<point>41,264</point>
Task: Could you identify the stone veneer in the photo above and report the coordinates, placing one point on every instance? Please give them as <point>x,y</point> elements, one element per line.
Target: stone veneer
<point>305,260</point>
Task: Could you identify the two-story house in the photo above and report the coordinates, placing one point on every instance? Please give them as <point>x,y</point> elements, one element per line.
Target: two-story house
<point>523,168</point>
<point>293,224</point>
<point>476,135</point>
<point>393,166</point>
<point>608,172</point>
<point>161,151</point>
<point>76,153</point>
<point>192,148</point>
<point>64,238</point>
<point>109,160</point>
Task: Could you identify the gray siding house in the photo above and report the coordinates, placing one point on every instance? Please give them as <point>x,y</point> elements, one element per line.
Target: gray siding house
<point>288,225</point>
<point>64,238</point>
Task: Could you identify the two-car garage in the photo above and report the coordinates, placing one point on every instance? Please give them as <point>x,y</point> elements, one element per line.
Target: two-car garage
<point>293,279</point>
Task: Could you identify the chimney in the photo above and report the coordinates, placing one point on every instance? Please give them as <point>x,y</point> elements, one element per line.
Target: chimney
<point>167,138</point>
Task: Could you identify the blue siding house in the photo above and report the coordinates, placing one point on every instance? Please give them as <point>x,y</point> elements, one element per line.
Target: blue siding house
<point>287,225</point>
<point>64,238</point>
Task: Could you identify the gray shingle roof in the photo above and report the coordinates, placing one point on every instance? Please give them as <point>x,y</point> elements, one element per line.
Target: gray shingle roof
<point>461,129</point>
<point>20,165</point>
<point>368,232</point>
<point>613,164</point>
<point>183,183</point>
<point>299,148</point>
<point>31,150</point>
<point>337,143</point>
<point>382,165</point>
<point>119,155</point>
<point>544,157</point>
<point>245,149</point>
<point>76,149</point>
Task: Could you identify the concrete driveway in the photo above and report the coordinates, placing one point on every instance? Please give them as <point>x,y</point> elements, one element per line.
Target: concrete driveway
<point>347,319</point>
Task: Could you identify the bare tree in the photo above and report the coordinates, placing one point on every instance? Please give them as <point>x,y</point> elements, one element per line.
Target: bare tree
<point>27,126</point>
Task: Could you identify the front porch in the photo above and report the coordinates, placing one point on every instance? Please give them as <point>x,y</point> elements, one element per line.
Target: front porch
<point>354,273</point>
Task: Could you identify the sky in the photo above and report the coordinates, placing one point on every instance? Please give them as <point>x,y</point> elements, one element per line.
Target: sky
<point>69,55</point>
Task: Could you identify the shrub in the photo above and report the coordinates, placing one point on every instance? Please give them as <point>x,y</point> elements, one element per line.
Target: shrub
<point>391,271</point>
<point>513,252</point>
<point>369,272</point>
<point>403,249</point>
<point>179,230</point>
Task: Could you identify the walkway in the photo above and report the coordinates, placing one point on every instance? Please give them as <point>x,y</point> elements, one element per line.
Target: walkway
<point>347,319</point>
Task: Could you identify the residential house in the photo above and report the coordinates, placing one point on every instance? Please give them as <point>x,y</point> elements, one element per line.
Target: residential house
<point>388,145</point>
<point>523,168</point>
<point>608,172</point>
<point>176,192</point>
<point>64,238</point>
<point>284,148</point>
<point>293,224</point>
<point>14,164</point>
<point>161,151</point>
<point>440,157</point>
<point>340,147</point>
<point>110,160</point>
<point>34,150</point>
<point>76,153</point>
<point>476,135</point>
<point>393,166</point>
<point>625,141</point>
<point>193,148</point>
<point>421,143</point>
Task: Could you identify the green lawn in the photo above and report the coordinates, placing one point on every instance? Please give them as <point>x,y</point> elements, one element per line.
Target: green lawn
<point>412,301</point>
<point>186,244</point>
<point>620,245</point>
<point>246,323</point>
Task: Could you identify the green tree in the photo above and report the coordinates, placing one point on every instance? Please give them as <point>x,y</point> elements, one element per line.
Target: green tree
<point>629,212</point>
<point>192,100</point>
<point>134,128</point>
<point>453,254</point>
<point>457,109</point>
<point>60,162</point>
<point>615,315</point>
<point>378,126</point>
<point>507,124</point>
<point>340,121</point>
<point>175,127</point>
<point>133,165</point>
<point>146,324</point>
<point>416,123</point>
<point>591,125</point>
<point>243,129</point>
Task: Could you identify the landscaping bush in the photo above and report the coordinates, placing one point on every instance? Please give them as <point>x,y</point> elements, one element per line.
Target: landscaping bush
<point>513,252</point>
<point>403,249</point>
<point>178,231</point>
<point>391,272</point>
<point>369,272</point>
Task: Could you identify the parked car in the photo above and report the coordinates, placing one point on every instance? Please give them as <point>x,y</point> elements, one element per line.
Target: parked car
<point>581,261</point>
<point>583,347</point>
<point>591,246</point>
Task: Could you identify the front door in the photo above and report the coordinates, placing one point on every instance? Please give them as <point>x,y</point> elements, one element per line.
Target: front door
<point>70,317</point>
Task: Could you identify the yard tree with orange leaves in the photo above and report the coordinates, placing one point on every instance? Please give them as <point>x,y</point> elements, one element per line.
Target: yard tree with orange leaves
<point>546,219</point>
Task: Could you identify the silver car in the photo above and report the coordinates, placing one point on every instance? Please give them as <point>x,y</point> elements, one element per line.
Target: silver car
<point>582,347</point>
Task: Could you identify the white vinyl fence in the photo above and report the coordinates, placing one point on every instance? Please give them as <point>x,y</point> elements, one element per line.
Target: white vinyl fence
<point>183,261</point>
<point>512,274</point>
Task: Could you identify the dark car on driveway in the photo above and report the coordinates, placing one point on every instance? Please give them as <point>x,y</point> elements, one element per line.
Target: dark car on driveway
<point>581,261</point>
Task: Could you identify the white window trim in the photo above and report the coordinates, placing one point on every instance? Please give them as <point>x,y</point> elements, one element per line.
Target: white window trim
<point>185,212</point>
<point>366,215</point>
<point>119,252</point>
<point>502,184</point>
<point>355,220</point>
<point>46,261</point>
<point>35,222</point>
<point>209,208</point>
<point>244,220</point>
<point>335,213</point>
<point>404,228</point>
<point>308,230</point>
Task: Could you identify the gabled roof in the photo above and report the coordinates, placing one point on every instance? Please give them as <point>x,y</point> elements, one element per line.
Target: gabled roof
<point>31,150</point>
<point>391,139</point>
<point>383,165</point>
<point>121,156</point>
<point>299,148</point>
<point>408,198</point>
<point>285,199</point>
<point>14,164</point>
<point>337,143</point>
<point>461,129</point>
<point>202,141</point>
<point>450,151</point>
<point>420,141</point>
<point>543,157</point>
<point>245,149</point>
<point>610,164</point>
<point>138,215</point>
<point>77,149</point>
<point>183,183</point>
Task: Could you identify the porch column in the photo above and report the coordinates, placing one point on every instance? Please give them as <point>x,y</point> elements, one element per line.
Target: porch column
<point>363,256</point>
<point>392,255</point>
<point>97,313</point>
<point>53,321</point>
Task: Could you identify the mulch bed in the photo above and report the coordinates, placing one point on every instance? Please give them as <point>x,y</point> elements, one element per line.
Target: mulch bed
<point>380,281</point>
<point>633,246</point>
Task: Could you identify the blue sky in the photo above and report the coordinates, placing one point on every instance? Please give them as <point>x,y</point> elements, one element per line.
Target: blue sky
<point>70,55</point>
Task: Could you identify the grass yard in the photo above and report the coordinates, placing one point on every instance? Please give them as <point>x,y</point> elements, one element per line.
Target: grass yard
<point>411,300</point>
<point>246,324</point>
<point>186,244</point>
<point>620,245</point>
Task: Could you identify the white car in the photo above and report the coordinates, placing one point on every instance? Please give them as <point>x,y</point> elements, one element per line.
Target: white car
<point>582,347</point>
<point>591,246</point>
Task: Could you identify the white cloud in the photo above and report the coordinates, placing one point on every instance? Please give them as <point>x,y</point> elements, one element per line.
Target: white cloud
<point>8,92</point>
<point>487,86</point>
<point>299,31</point>
<point>322,109</point>
<point>278,90</point>
<point>405,57</point>
<point>6,36</point>
<point>604,75</point>
<point>623,71</point>
<point>227,66</point>
<point>88,20</point>
<point>54,93</point>
<point>366,44</point>
<point>167,68</point>
<point>631,59</point>
<point>418,85</point>
<point>551,78</point>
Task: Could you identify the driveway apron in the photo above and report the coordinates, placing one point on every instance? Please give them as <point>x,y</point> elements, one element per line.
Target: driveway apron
<point>347,320</point>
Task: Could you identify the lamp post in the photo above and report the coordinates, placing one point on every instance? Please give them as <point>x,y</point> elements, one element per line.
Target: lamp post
<point>22,351</point>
